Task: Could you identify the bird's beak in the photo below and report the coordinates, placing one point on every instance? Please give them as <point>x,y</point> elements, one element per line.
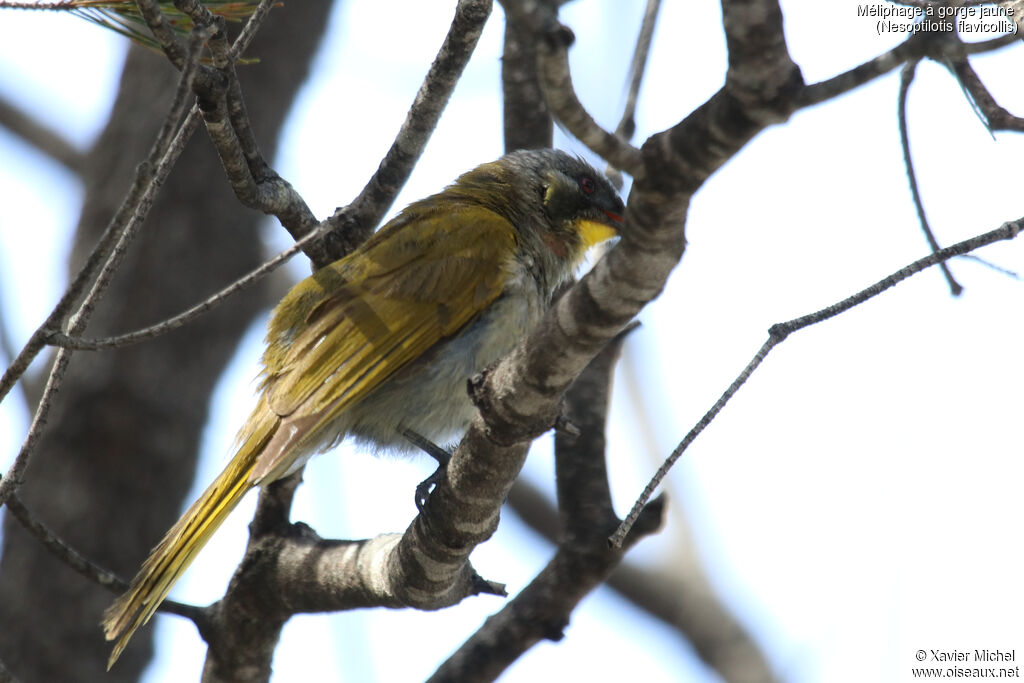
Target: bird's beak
<point>595,232</point>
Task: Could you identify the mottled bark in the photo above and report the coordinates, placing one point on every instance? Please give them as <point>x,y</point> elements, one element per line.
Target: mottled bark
<point>120,450</point>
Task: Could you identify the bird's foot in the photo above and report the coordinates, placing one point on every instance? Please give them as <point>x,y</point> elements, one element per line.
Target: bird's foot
<point>439,454</point>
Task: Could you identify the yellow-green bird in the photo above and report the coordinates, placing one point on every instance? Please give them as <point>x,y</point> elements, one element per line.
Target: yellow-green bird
<point>381,342</point>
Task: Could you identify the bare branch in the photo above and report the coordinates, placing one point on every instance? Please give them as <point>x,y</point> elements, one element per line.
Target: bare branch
<point>105,257</point>
<point>527,122</point>
<point>816,93</point>
<point>83,565</point>
<point>139,206</point>
<point>627,124</point>
<point>58,338</point>
<point>288,569</point>
<point>1007,231</point>
<point>994,267</point>
<point>132,211</point>
<point>556,82</point>
<point>352,224</point>
<point>552,40</point>
<point>583,560</point>
<point>906,78</point>
<point>917,46</point>
<point>244,38</point>
<point>170,42</point>
<point>991,45</point>
<point>62,550</point>
<point>255,184</point>
<point>994,116</point>
<point>778,332</point>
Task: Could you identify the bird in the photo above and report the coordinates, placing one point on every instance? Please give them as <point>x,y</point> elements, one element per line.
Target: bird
<point>380,343</point>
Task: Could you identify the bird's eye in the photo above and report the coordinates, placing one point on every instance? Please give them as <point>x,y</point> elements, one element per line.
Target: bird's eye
<point>587,185</point>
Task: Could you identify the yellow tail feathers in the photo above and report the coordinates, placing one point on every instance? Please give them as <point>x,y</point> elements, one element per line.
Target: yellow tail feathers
<point>175,553</point>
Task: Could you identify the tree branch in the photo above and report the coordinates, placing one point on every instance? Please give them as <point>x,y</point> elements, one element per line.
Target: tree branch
<point>255,184</point>
<point>83,565</point>
<point>556,82</point>
<point>527,122</point>
<point>780,331</point>
<point>583,559</point>
<point>108,252</point>
<point>627,124</point>
<point>58,338</point>
<point>906,78</point>
<point>350,225</point>
<point>995,116</point>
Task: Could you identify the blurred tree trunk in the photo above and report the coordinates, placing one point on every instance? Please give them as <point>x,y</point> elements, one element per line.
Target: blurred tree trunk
<point>120,450</point>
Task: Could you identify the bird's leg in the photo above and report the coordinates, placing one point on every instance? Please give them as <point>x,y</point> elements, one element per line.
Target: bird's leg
<point>439,454</point>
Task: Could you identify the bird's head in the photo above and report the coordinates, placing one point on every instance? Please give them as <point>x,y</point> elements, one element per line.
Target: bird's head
<point>557,201</point>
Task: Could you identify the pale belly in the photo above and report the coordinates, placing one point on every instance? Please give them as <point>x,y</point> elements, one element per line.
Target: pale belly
<point>429,396</point>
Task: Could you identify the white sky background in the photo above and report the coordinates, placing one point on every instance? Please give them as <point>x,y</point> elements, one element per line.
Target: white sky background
<point>857,501</point>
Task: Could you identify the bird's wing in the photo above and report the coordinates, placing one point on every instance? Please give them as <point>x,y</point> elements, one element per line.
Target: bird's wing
<point>344,330</point>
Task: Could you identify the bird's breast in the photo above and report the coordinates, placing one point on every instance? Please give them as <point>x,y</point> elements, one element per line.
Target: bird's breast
<point>429,395</point>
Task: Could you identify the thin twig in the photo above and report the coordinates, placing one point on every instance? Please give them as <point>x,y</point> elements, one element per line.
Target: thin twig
<point>183,90</point>
<point>350,225</point>
<point>81,564</point>
<point>906,78</point>
<point>991,44</point>
<point>78,321</point>
<point>994,116</point>
<point>527,123</point>
<point>253,182</point>
<point>992,266</point>
<point>913,47</point>
<point>7,347</point>
<point>170,42</point>
<point>778,332</point>
<point>109,252</point>
<point>143,185</point>
<point>627,125</point>
<point>556,82</point>
<point>248,32</point>
<point>170,148</point>
<point>58,338</point>
<point>196,11</point>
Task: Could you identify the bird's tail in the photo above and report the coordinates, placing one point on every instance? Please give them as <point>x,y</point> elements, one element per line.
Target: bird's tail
<point>176,551</point>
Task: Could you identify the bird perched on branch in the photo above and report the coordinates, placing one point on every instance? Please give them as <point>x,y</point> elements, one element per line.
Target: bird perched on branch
<point>382,341</point>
